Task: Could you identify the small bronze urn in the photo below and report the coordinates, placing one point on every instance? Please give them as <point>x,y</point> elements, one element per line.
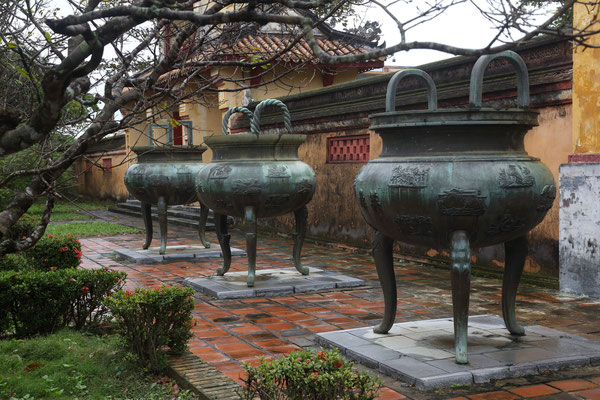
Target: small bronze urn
<point>165,176</point>
<point>256,176</point>
<point>455,179</point>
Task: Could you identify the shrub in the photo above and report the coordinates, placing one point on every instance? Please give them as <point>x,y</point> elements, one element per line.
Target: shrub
<point>23,228</point>
<point>55,252</point>
<point>15,262</point>
<point>322,375</point>
<point>149,319</point>
<point>39,302</point>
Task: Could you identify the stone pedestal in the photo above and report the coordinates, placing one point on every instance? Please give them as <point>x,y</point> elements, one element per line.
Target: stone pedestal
<point>579,239</point>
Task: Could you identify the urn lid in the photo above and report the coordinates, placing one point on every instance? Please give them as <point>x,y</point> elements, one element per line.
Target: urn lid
<point>473,115</point>
<point>169,154</point>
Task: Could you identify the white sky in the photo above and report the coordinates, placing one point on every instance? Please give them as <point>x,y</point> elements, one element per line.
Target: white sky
<point>462,26</point>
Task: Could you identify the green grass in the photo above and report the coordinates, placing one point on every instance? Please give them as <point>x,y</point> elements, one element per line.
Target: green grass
<point>94,228</point>
<point>69,365</point>
<point>69,211</point>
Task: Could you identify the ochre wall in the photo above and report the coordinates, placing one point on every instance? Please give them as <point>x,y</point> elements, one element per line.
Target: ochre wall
<point>586,86</point>
<point>98,184</point>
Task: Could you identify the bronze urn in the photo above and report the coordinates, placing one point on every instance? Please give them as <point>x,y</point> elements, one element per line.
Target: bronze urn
<point>455,179</point>
<point>256,176</point>
<point>165,176</point>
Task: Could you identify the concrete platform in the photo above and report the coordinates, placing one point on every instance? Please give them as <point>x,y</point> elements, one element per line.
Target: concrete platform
<point>271,282</point>
<point>422,352</point>
<point>173,253</point>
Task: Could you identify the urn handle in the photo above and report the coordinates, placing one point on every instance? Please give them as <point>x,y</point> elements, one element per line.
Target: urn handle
<point>476,85</point>
<point>390,97</point>
<point>232,111</point>
<point>255,123</point>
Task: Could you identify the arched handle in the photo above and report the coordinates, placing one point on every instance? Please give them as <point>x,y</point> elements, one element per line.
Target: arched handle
<point>476,86</point>
<point>232,111</point>
<point>390,97</point>
<point>255,123</point>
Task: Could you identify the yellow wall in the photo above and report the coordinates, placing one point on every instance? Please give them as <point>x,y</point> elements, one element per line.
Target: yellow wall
<point>99,184</point>
<point>586,86</point>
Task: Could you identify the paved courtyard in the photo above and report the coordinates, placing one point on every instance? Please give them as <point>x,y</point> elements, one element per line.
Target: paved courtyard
<point>229,332</point>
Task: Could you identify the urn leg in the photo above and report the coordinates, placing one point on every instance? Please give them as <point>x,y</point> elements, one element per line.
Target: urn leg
<point>147,217</point>
<point>202,225</point>
<point>515,253</point>
<point>223,237</point>
<point>384,262</point>
<point>162,223</point>
<point>250,219</point>
<point>301,215</point>
<point>461,282</point>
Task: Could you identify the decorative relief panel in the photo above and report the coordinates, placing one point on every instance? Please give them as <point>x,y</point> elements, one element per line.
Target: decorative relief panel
<point>507,224</point>
<point>246,186</point>
<point>547,197</point>
<point>461,202</point>
<point>278,171</point>
<point>304,187</point>
<point>515,176</point>
<point>277,201</point>
<point>414,225</point>
<point>375,202</point>
<point>409,177</point>
<point>220,172</point>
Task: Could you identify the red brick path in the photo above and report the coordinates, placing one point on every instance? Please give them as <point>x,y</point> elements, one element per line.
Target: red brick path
<point>229,332</point>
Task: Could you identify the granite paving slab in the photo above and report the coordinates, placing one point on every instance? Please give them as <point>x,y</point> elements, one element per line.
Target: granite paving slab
<point>422,352</point>
<point>271,282</point>
<point>173,253</point>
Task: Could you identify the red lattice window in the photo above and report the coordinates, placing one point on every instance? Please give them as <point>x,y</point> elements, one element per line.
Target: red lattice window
<point>348,149</point>
<point>107,165</point>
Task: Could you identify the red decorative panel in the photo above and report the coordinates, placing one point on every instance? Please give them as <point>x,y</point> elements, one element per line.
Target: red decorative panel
<point>88,166</point>
<point>348,149</point>
<point>107,165</point>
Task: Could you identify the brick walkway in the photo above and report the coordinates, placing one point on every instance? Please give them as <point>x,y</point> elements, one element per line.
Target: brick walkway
<point>229,332</point>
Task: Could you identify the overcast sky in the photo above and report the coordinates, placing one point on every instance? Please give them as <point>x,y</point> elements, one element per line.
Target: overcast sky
<point>461,26</point>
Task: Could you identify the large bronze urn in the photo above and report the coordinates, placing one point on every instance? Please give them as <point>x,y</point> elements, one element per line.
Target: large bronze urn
<point>165,176</point>
<point>256,176</point>
<point>455,179</point>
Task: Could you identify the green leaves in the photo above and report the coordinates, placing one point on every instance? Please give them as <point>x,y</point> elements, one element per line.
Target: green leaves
<point>310,375</point>
<point>149,319</point>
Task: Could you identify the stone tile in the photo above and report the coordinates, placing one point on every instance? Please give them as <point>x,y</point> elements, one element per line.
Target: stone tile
<point>397,342</point>
<point>408,369</point>
<point>521,355</point>
<point>484,375</point>
<point>561,363</point>
<point>476,361</point>
<point>432,382</point>
<point>426,353</point>
<point>486,322</point>
<point>372,355</point>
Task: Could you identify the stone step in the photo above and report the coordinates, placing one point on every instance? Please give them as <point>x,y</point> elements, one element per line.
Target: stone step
<point>176,215</point>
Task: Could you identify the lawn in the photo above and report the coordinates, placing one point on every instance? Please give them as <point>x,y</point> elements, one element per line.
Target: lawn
<point>93,228</point>
<point>69,211</point>
<point>69,364</point>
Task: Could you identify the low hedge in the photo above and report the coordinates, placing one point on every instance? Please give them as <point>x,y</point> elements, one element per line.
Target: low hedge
<point>39,302</point>
<point>149,319</point>
<point>55,252</point>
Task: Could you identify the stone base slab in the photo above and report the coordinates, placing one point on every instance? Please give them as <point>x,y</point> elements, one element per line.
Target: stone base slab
<point>422,352</point>
<point>174,253</point>
<point>271,282</point>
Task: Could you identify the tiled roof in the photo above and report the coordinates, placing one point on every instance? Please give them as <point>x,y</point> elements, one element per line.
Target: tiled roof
<point>266,45</point>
